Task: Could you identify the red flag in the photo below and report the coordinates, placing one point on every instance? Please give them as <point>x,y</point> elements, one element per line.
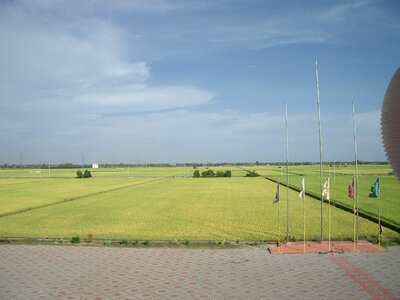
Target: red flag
<point>351,189</point>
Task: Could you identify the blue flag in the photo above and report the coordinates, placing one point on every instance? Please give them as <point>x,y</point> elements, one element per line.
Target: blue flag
<point>375,189</point>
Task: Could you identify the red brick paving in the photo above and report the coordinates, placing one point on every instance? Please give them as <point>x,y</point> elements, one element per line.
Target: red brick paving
<point>317,247</point>
<point>56,272</point>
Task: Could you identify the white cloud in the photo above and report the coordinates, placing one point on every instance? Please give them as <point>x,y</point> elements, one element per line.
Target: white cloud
<point>146,98</point>
<point>345,12</point>
<point>77,66</point>
<point>39,57</point>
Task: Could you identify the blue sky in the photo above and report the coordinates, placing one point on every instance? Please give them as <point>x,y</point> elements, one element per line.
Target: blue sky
<point>199,81</point>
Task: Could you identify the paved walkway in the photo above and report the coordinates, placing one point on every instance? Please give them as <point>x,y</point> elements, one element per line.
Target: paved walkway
<point>49,272</point>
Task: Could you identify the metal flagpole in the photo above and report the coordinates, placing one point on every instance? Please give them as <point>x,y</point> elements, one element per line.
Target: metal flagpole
<point>277,201</point>
<point>356,172</point>
<point>279,227</point>
<point>329,213</point>
<point>379,213</point>
<point>304,225</point>
<point>279,223</point>
<point>320,145</point>
<point>49,171</point>
<point>354,225</point>
<point>287,174</point>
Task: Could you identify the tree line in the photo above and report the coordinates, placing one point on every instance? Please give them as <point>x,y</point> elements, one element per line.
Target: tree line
<point>211,173</point>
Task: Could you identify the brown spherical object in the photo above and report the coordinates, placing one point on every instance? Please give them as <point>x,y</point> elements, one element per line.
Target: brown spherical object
<point>390,123</point>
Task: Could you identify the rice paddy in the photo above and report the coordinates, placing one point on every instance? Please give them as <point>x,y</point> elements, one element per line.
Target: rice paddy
<point>168,204</point>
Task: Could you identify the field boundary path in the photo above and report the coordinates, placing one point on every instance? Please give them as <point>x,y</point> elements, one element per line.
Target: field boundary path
<point>66,272</point>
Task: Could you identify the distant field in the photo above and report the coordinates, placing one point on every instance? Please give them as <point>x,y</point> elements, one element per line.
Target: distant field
<point>122,172</point>
<point>161,208</point>
<point>310,170</point>
<point>101,172</point>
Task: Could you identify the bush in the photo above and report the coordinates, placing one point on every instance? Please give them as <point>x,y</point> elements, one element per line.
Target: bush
<point>220,174</point>
<point>87,174</point>
<point>227,173</point>
<point>211,173</point>
<point>208,173</point>
<point>76,239</point>
<point>146,243</point>
<point>124,242</point>
<point>252,174</point>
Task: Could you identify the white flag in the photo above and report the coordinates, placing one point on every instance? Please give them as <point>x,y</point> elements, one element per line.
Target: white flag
<point>326,192</point>
<point>302,193</point>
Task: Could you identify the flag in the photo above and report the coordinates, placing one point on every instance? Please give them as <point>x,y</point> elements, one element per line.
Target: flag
<point>351,189</point>
<point>303,190</point>
<point>375,189</point>
<point>326,192</point>
<point>277,198</point>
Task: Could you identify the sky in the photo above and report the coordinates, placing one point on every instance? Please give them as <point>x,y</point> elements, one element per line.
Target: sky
<point>159,81</point>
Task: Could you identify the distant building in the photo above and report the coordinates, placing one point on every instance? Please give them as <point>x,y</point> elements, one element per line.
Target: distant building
<point>95,166</point>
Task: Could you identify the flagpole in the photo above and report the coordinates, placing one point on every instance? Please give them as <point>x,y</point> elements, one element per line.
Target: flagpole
<point>329,214</point>
<point>320,145</point>
<point>379,214</point>
<point>287,173</point>
<point>356,173</point>
<point>277,201</point>
<point>302,196</point>
<point>279,226</point>
<point>304,225</point>
<point>354,224</point>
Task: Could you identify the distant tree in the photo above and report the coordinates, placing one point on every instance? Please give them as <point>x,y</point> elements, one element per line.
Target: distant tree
<point>208,173</point>
<point>87,174</point>
<point>228,173</point>
<point>79,174</point>
<point>196,174</point>
<point>220,174</point>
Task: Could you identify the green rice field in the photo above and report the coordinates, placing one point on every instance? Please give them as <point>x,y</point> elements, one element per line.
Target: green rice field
<point>339,182</point>
<point>168,204</point>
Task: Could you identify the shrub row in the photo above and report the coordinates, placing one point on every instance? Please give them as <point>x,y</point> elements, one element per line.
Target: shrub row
<point>211,173</point>
<point>85,174</point>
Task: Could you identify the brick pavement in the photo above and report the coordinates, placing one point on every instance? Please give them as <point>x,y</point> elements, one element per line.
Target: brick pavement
<point>68,272</point>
